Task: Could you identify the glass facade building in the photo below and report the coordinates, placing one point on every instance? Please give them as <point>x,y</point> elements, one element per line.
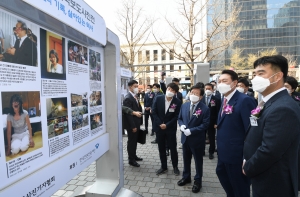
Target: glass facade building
<point>267,24</point>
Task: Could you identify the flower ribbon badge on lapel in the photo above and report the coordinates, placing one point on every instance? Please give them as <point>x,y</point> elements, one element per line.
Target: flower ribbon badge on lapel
<point>297,98</point>
<point>213,103</point>
<point>228,109</point>
<point>173,106</point>
<point>255,113</point>
<point>197,112</point>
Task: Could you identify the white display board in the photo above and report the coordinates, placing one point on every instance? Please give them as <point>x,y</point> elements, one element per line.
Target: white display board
<point>57,85</point>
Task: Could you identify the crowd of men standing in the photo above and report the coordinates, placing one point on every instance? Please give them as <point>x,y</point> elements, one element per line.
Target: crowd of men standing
<point>258,142</point>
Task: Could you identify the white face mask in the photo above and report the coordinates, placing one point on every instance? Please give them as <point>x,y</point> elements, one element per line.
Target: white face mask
<point>154,90</point>
<point>169,94</point>
<point>240,89</point>
<point>259,84</point>
<point>147,90</point>
<point>224,88</point>
<point>208,92</point>
<point>194,98</point>
<point>135,90</point>
<point>289,91</point>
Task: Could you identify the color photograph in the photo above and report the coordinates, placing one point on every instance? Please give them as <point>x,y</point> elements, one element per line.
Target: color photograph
<point>77,53</point>
<point>95,98</point>
<point>95,65</point>
<point>79,103</point>
<point>96,120</point>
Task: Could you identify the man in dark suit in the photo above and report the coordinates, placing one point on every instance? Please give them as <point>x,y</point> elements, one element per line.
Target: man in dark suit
<point>233,121</point>
<point>165,110</point>
<point>24,51</point>
<point>148,99</point>
<point>132,123</point>
<point>243,87</point>
<point>193,120</point>
<point>216,92</point>
<point>157,91</point>
<point>213,104</point>
<point>178,95</point>
<point>272,142</point>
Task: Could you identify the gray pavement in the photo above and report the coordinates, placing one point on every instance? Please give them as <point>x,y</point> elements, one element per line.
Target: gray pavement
<point>144,181</point>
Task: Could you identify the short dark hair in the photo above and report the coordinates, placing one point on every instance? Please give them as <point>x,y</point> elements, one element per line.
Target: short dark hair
<point>213,81</point>
<point>175,79</point>
<point>132,82</point>
<point>244,81</point>
<point>55,54</point>
<point>16,98</point>
<point>173,86</point>
<point>209,84</point>
<point>201,84</point>
<point>14,28</point>
<point>232,74</point>
<point>200,88</point>
<point>150,86</point>
<point>23,25</point>
<point>156,85</point>
<point>276,61</point>
<point>292,82</point>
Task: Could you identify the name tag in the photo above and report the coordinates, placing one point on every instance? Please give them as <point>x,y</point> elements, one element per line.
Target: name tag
<point>212,104</point>
<point>151,96</point>
<point>171,110</point>
<point>253,122</point>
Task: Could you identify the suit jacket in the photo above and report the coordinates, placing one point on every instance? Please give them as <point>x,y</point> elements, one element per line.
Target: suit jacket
<point>214,106</point>
<point>271,148</point>
<point>218,95</point>
<point>250,94</point>
<point>129,120</point>
<point>232,128</point>
<point>197,125</point>
<point>26,54</point>
<point>148,99</point>
<point>160,117</point>
<point>178,95</point>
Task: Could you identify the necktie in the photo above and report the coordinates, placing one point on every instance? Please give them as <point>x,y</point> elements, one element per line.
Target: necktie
<point>192,110</point>
<point>207,100</point>
<point>136,99</point>
<point>224,104</point>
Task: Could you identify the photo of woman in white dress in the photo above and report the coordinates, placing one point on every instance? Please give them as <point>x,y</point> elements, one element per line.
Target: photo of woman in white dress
<point>54,66</point>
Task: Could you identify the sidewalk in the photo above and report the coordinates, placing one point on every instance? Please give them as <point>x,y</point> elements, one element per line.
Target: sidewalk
<point>144,181</point>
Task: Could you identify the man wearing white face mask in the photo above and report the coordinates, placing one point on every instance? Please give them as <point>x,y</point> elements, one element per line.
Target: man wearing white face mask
<point>157,92</point>
<point>233,121</point>
<point>165,110</point>
<point>271,150</point>
<point>243,86</point>
<point>132,123</point>
<point>213,103</point>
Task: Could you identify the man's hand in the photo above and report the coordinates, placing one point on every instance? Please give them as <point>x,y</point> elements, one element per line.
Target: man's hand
<point>134,130</point>
<point>137,114</point>
<point>11,51</point>
<point>187,132</point>
<point>182,128</point>
<point>31,142</point>
<point>163,126</point>
<point>147,108</point>
<point>215,126</point>
<point>243,166</point>
<point>8,151</point>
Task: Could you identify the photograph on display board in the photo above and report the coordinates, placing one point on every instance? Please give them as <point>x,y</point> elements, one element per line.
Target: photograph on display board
<point>52,56</point>
<point>95,98</point>
<point>18,40</point>
<point>77,53</point>
<point>79,103</point>
<point>95,65</point>
<point>21,116</point>
<point>57,116</point>
<point>96,120</point>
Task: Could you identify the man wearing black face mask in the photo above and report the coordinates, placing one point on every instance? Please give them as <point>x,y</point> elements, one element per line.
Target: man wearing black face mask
<point>233,121</point>
<point>271,150</point>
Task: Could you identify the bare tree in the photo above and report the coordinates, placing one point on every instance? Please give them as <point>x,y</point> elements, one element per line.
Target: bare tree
<point>134,27</point>
<point>192,31</point>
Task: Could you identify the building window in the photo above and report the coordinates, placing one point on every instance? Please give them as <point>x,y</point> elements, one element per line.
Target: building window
<point>140,81</point>
<point>155,79</point>
<point>171,54</point>
<point>148,80</point>
<point>140,57</point>
<point>147,69</point>
<point>179,69</point>
<point>148,55</point>
<point>172,68</point>
<point>155,68</point>
<point>155,55</point>
<point>163,67</point>
<point>163,54</point>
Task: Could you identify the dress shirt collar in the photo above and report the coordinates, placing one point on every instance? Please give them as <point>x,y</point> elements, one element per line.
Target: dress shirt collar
<point>230,95</point>
<point>194,103</point>
<point>22,40</point>
<point>266,98</point>
<point>132,94</point>
<point>167,104</point>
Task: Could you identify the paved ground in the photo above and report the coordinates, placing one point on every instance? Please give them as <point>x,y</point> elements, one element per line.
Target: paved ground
<point>144,181</point>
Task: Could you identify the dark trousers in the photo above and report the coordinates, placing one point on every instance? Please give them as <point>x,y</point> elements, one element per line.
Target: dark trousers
<point>188,152</point>
<point>132,144</point>
<point>234,182</point>
<point>212,139</point>
<point>170,136</point>
<point>147,115</point>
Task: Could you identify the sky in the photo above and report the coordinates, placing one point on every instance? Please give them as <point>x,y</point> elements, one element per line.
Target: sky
<point>154,8</point>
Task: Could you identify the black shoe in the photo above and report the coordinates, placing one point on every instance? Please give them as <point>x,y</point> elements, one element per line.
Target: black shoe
<point>176,171</point>
<point>152,134</point>
<point>211,156</point>
<point>138,158</point>
<point>167,153</point>
<point>161,171</point>
<point>154,142</point>
<point>183,181</point>
<point>196,187</point>
<point>134,163</point>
